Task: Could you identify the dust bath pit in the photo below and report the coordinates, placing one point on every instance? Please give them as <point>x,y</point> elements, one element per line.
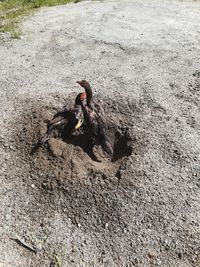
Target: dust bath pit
<point>72,158</point>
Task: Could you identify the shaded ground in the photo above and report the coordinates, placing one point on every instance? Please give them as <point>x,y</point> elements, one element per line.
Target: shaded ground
<point>142,209</point>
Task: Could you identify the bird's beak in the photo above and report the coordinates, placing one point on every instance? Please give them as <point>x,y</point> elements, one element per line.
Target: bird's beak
<point>78,82</point>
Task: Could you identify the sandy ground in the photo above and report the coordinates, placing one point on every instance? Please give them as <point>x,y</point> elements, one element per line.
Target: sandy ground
<point>142,58</point>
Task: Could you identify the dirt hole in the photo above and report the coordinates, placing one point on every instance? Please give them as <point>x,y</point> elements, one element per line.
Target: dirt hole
<point>119,139</point>
<point>72,156</point>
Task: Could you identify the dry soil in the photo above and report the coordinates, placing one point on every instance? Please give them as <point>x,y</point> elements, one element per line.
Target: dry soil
<point>142,208</point>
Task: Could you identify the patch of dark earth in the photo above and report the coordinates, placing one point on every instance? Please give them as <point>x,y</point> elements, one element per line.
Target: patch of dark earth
<point>133,215</point>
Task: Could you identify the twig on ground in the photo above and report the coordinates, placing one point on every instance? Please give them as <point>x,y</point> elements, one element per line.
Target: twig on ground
<point>24,244</point>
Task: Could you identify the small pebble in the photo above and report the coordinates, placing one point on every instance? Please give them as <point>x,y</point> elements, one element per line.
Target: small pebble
<point>106,225</point>
<point>179,255</point>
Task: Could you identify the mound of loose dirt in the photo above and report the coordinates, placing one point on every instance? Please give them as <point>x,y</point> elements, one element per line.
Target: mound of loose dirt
<point>67,165</point>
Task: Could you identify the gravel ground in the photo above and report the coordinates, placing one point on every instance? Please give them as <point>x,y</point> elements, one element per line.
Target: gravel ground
<point>142,59</point>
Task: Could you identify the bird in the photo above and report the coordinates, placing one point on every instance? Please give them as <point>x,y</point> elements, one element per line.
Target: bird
<point>89,97</point>
<point>95,120</point>
<point>65,121</point>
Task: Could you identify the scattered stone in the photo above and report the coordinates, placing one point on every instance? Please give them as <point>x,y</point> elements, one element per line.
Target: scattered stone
<point>11,148</point>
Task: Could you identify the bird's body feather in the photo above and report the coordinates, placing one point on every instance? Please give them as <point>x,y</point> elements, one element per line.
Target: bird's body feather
<point>64,122</point>
<point>95,120</point>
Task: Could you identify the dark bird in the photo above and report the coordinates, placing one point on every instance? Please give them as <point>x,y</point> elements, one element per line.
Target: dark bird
<point>95,121</point>
<point>66,121</point>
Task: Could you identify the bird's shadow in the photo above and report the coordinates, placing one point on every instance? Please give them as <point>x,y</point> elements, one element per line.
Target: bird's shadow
<point>35,147</point>
<point>82,140</point>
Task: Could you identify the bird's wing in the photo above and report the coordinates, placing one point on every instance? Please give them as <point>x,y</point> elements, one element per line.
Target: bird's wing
<point>76,117</point>
<point>57,120</point>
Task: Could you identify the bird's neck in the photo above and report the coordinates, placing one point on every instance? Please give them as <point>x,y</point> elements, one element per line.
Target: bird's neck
<point>89,94</point>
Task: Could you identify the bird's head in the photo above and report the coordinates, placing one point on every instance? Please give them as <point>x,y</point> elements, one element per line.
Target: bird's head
<point>87,88</point>
<point>80,98</point>
<point>85,84</point>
